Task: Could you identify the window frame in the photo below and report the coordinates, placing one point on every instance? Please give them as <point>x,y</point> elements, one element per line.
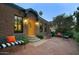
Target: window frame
<point>17,19</point>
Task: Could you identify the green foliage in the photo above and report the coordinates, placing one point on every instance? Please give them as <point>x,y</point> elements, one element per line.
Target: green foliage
<point>53,34</point>
<point>76,36</point>
<point>77,28</point>
<point>22,37</point>
<point>65,32</point>
<point>76,14</point>
<point>63,23</point>
<point>3,39</point>
<point>61,30</point>
<point>40,35</point>
<point>68,33</point>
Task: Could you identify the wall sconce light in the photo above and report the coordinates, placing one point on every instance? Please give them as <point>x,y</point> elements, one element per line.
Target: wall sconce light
<point>37,23</point>
<point>25,21</point>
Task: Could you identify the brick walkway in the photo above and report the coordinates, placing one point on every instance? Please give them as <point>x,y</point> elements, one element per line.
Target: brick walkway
<point>54,46</point>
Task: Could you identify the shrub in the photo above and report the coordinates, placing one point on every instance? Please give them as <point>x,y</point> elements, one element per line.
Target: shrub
<point>22,37</point>
<point>53,34</point>
<point>40,35</point>
<point>3,39</point>
<point>76,36</point>
<point>68,33</point>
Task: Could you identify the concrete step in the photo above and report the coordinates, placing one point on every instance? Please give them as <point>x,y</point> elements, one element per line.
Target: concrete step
<point>33,39</point>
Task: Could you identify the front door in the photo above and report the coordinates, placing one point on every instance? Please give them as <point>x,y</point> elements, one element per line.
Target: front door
<point>31,28</point>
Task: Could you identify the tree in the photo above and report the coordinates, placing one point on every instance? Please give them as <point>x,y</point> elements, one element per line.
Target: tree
<point>63,23</point>
<point>40,13</point>
<point>76,13</point>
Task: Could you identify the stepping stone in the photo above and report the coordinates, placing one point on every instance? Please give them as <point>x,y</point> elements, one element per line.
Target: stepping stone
<point>16,43</point>
<point>3,45</point>
<point>22,41</point>
<point>12,43</point>
<point>8,44</point>
<point>19,42</point>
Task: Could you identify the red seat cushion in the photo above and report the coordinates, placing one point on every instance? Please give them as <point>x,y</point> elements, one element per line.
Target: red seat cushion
<point>11,39</point>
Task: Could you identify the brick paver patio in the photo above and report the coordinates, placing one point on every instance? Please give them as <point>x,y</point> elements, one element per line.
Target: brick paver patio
<point>54,46</point>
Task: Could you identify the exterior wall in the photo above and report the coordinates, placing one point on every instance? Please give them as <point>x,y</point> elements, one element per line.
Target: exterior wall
<point>7,14</point>
<point>7,19</point>
<point>46,28</point>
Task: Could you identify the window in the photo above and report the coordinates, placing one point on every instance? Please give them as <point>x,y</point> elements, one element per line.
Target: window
<point>41,28</point>
<point>45,28</point>
<point>18,25</point>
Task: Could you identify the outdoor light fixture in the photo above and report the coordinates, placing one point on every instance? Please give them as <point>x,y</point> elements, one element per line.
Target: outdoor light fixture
<point>25,21</point>
<point>37,23</point>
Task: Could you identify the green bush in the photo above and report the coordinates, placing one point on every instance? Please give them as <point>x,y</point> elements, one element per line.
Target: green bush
<point>76,36</point>
<point>68,33</point>
<point>3,39</point>
<point>40,35</point>
<point>22,37</point>
<point>53,34</point>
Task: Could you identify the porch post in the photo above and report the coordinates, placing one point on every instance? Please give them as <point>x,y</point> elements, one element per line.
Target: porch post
<point>43,28</point>
<point>38,29</point>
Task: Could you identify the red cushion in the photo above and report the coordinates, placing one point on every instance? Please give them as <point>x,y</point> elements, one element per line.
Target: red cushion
<point>11,39</point>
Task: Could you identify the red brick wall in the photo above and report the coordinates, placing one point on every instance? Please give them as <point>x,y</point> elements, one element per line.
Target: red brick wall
<point>7,19</point>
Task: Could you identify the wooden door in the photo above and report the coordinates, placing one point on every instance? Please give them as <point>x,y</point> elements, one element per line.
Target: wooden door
<point>31,27</point>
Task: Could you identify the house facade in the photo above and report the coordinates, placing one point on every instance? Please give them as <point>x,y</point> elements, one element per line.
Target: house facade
<point>15,20</point>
